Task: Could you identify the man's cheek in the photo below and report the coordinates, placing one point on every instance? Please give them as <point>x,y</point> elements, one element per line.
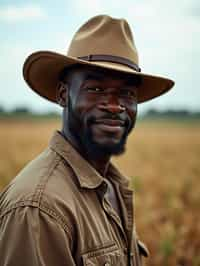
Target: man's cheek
<point>132,114</point>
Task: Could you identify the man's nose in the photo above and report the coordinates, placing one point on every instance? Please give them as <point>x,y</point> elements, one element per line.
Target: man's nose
<point>111,104</point>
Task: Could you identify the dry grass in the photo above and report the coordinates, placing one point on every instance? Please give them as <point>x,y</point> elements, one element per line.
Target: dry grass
<point>163,163</point>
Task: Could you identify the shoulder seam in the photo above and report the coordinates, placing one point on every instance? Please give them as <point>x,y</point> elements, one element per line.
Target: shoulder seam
<point>42,207</point>
<point>41,185</point>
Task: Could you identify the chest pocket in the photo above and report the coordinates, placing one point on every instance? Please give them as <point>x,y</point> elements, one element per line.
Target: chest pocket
<point>104,256</point>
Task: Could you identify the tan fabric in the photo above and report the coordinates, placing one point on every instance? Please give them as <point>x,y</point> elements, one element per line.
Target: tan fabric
<point>55,213</point>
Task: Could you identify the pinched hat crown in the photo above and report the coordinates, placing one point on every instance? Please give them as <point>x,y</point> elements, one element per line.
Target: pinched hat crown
<point>103,35</point>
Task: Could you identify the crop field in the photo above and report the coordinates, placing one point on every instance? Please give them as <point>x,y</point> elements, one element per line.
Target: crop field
<point>162,160</point>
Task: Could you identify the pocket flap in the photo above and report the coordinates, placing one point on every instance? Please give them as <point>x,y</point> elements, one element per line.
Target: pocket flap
<point>107,255</point>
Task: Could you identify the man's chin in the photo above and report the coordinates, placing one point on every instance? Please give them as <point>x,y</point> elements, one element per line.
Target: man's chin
<point>99,146</point>
<point>106,149</point>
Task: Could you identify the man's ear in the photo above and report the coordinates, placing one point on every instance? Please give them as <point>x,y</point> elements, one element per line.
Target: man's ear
<point>62,94</point>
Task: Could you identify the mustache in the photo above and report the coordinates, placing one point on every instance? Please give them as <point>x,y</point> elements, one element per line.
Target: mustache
<point>126,120</point>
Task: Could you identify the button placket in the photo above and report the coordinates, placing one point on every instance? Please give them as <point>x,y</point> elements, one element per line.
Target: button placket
<point>108,209</point>
<point>127,196</point>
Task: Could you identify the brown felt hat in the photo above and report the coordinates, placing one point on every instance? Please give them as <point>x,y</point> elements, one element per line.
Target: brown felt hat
<point>102,41</point>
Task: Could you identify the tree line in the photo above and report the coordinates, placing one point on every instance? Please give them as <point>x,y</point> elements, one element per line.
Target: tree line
<point>151,113</point>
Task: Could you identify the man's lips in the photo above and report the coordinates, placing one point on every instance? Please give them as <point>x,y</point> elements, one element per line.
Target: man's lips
<point>110,122</point>
<point>110,125</point>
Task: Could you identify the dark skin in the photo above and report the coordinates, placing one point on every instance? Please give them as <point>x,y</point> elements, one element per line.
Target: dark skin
<point>100,108</point>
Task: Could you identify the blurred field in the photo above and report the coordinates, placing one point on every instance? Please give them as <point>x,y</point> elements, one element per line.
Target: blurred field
<point>163,161</point>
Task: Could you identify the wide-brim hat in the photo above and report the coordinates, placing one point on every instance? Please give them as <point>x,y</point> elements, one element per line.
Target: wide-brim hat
<point>103,42</point>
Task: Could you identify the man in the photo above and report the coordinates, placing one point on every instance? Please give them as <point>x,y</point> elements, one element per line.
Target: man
<point>71,206</point>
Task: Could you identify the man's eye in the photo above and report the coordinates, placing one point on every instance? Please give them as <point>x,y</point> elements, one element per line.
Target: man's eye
<point>94,89</point>
<point>128,93</point>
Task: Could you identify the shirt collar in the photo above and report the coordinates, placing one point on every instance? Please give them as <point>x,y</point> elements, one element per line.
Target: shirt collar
<point>87,176</point>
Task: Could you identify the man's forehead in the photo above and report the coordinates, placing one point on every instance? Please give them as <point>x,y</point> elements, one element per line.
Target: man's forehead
<point>98,73</point>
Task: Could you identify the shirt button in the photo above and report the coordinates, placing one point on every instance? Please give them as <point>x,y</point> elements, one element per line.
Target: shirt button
<point>107,264</point>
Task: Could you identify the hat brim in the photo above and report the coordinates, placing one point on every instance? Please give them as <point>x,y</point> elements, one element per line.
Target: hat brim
<point>42,70</point>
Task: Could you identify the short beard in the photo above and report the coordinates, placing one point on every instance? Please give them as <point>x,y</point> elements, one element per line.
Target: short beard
<point>99,150</point>
<point>85,138</point>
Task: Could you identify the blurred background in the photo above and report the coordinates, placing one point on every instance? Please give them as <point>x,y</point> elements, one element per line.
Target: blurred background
<point>162,157</point>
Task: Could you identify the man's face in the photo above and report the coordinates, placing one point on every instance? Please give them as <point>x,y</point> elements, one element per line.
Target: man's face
<point>102,108</point>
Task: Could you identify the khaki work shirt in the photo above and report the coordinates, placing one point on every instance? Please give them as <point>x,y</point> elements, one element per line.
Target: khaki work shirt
<point>55,213</point>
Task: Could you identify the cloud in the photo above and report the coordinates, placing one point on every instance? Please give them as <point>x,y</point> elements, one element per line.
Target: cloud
<point>22,13</point>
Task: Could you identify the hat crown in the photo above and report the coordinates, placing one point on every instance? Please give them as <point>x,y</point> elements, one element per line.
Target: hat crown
<point>104,35</point>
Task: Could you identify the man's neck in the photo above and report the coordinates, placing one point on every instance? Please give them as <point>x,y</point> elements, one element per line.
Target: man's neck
<point>100,163</point>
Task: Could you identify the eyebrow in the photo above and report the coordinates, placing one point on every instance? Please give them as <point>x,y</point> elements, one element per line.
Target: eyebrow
<point>135,80</point>
<point>131,82</point>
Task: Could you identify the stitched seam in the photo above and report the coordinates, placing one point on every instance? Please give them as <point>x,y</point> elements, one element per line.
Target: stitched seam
<point>58,218</point>
<point>41,186</point>
<point>30,203</point>
<point>101,250</point>
<point>21,203</point>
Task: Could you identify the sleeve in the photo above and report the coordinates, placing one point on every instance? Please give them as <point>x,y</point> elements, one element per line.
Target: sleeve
<point>31,237</point>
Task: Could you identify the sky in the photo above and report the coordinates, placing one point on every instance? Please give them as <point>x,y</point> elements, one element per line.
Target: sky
<point>166,33</point>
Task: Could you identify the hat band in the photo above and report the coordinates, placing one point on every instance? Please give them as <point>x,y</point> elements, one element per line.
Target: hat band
<point>112,59</point>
